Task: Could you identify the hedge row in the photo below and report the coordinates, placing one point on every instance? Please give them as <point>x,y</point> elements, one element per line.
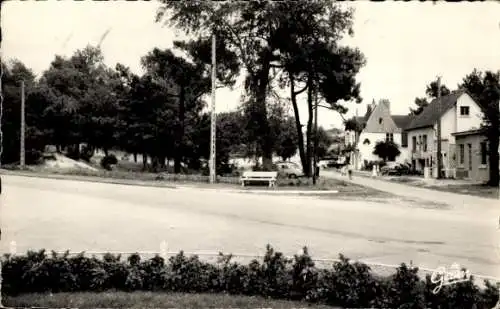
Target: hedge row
<point>346,284</point>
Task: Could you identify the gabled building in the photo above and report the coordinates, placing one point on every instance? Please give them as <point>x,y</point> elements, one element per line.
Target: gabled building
<point>458,112</point>
<point>379,125</point>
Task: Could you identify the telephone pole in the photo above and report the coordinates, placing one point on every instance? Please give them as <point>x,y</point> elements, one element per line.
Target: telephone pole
<point>315,153</point>
<point>22,150</point>
<point>439,159</point>
<point>213,127</point>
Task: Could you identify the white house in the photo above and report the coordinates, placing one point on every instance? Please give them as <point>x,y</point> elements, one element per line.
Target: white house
<point>380,125</point>
<point>458,112</point>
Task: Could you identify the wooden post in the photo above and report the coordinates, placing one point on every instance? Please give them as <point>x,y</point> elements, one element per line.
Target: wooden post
<point>438,159</point>
<point>22,150</point>
<point>213,126</point>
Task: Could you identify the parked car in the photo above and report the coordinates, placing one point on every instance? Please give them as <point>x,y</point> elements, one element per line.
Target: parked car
<point>395,169</point>
<point>289,169</point>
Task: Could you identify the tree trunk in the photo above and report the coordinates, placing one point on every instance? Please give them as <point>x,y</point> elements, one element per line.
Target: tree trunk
<point>135,157</point>
<point>493,155</point>
<point>180,132</point>
<point>144,161</point>
<point>298,126</point>
<point>309,125</point>
<point>106,151</point>
<point>260,100</point>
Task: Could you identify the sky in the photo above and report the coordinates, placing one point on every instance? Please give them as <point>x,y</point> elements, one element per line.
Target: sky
<point>406,44</point>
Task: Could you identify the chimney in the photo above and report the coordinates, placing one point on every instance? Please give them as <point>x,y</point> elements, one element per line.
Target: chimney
<point>373,104</point>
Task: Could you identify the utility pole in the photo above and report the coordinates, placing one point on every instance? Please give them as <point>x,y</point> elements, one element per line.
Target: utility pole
<point>438,160</point>
<point>315,153</point>
<point>22,150</point>
<point>213,127</point>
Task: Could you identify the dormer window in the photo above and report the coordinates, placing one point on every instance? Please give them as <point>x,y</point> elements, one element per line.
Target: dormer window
<point>464,110</point>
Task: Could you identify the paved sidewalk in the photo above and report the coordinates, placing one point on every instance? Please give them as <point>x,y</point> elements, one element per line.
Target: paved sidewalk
<point>458,201</point>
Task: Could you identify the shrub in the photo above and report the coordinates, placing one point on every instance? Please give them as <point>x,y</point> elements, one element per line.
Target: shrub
<point>345,284</point>
<point>108,161</point>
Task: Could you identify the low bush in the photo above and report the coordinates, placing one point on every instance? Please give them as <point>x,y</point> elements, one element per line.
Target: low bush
<point>108,161</point>
<point>346,284</point>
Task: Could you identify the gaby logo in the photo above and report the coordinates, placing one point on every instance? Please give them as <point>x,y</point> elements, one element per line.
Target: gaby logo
<point>443,277</point>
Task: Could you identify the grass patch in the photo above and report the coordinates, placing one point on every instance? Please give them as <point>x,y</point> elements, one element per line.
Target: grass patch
<point>149,300</point>
<point>470,189</point>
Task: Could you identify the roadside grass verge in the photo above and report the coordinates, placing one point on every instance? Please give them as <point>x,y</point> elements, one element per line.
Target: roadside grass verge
<point>472,189</point>
<point>171,180</point>
<point>119,299</point>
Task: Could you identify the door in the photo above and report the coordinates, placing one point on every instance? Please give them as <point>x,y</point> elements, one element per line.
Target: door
<point>469,146</point>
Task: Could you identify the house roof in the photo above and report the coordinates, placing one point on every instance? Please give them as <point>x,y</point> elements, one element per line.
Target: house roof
<point>470,132</point>
<point>429,116</point>
<point>402,121</point>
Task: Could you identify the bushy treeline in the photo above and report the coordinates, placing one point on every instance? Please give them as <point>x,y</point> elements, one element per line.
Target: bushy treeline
<point>345,284</point>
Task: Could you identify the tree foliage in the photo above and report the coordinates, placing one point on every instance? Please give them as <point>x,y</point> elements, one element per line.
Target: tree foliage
<point>431,92</point>
<point>294,39</point>
<point>386,150</point>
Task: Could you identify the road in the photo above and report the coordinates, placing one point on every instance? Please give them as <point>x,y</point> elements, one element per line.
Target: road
<point>83,216</point>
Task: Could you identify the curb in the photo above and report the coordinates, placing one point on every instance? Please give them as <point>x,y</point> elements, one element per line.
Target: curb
<point>151,183</point>
<point>285,192</point>
<point>91,179</point>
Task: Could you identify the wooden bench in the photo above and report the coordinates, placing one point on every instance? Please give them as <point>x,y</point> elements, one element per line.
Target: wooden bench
<point>251,176</point>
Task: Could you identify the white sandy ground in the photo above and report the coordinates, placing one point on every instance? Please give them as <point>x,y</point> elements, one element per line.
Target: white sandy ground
<point>82,216</point>
<point>62,162</point>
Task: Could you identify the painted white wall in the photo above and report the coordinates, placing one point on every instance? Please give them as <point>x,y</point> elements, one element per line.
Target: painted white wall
<point>475,118</point>
<point>366,150</point>
<point>350,137</point>
<point>448,125</point>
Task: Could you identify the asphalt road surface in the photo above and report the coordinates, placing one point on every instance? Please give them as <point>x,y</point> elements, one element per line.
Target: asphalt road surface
<point>82,216</point>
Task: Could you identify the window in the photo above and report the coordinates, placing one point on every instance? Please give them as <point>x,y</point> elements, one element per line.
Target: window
<point>404,139</point>
<point>420,142</point>
<point>380,121</point>
<point>366,142</point>
<point>464,111</point>
<point>469,148</point>
<point>484,153</point>
<point>462,153</point>
<point>389,137</point>
<point>414,143</point>
<point>424,141</point>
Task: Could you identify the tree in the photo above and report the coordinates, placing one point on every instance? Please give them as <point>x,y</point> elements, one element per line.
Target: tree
<point>353,125</point>
<point>84,105</point>
<point>313,60</point>
<point>386,150</point>
<point>431,92</point>
<point>421,103</point>
<point>246,29</point>
<point>287,140</point>
<point>324,142</point>
<point>485,88</point>
<point>183,82</point>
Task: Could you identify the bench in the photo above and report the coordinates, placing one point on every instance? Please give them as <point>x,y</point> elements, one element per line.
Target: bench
<point>269,177</point>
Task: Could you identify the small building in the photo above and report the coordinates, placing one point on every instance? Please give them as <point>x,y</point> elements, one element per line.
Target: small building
<point>472,155</point>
